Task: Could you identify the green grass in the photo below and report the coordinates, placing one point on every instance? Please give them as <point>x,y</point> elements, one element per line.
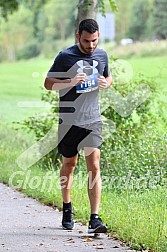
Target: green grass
<point>139,218</point>
<point>18,84</point>
<point>135,217</point>
<point>155,68</point>
<point>152,67</point>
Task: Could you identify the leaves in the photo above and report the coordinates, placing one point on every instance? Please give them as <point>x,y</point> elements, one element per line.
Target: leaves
<point>7,7</point>
<point>102,8</point>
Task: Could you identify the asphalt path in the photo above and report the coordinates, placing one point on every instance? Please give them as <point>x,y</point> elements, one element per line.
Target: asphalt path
<point>28,226</point>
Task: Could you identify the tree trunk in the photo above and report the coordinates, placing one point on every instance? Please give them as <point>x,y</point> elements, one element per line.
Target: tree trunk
<point>86,9</point>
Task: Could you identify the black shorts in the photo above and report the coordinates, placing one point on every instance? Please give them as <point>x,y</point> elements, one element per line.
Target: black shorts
<point>73,138</point>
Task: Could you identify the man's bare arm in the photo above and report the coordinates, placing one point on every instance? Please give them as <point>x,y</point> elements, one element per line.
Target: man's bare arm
<point>57,84</point>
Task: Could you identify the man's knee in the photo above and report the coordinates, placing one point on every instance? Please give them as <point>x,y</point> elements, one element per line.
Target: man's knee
<point>94,168</point>
<point>69,163</point>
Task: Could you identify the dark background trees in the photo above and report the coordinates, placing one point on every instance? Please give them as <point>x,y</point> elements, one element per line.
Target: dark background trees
<point>139,20</point>
<point>160,19</point>
<point>45,26</point>
<point>7,7</point>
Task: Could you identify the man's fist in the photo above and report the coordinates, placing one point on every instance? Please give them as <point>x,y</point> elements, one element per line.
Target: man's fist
<point>102,82</point>
<point>78,79</point>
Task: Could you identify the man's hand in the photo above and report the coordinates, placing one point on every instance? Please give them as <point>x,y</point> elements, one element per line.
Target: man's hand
<point>104,82</point>
<point>78,79</point>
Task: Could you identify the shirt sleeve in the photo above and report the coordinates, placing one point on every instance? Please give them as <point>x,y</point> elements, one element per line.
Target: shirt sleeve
<point>57,67</point>
<point>106,71</point>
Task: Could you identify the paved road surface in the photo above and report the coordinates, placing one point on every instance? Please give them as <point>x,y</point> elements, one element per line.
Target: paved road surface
<point>28,226</point>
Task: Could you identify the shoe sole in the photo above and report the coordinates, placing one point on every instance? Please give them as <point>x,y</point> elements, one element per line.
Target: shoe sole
<point>100,229</point>
<point>68,228</point>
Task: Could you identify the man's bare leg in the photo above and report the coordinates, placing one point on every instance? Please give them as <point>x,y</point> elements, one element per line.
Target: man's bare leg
<point>92,157</point>
<point>66,176</point>
<point>94,180</point>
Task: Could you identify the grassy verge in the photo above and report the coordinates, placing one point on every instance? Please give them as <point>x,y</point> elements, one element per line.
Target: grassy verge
<point>138,49</point>
<point>139,218</point>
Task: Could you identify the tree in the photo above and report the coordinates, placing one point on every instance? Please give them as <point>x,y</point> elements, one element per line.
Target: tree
<point>48,22</point>
<point>160,19</point>
<point>89,8</point>
<point>15,33</point>
<point>7,7</point>
<point>139,22</point>
<point>60,19</point>
<point>122,18</point>
<point>86,9</point>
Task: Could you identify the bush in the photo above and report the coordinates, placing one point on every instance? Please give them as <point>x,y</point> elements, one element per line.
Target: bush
<point>29,51</point>
<point>134,156</point>
<point>40,125</point>
<point>132,159</point>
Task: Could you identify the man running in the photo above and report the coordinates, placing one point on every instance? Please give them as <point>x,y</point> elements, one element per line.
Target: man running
<point>79,72</point>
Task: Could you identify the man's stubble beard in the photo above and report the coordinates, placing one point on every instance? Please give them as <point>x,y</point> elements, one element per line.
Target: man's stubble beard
<point>83,49</point>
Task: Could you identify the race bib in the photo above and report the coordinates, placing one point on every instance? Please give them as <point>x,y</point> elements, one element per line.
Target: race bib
<point>90,84</point>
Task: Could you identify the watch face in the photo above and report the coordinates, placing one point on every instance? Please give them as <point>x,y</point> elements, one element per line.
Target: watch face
<point>90,84</point>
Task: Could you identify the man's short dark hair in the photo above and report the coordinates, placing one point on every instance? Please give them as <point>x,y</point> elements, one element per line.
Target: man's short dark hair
<point>89,25</point>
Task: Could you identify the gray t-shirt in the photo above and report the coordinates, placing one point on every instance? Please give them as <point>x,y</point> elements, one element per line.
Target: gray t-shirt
<point>79,105</point>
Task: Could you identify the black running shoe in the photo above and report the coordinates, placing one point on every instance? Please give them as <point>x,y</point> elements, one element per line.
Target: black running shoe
<point>96,225</point>
<point>67,221</point>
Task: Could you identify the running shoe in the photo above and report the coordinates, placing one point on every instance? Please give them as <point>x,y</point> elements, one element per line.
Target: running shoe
<point>96,225</point>
<point>67,220</point>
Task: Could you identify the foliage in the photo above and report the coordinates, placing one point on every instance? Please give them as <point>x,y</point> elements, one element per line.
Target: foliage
<point>122,18</point>
<point>60,19</point>
<point>160,19</point>
<point>16,32</point>
<point>135,160</point>
<point>50,23</point>
<point>40,125</point>
<point>102,6</point>
<point>148,20</point>
<point>46,25</point>
<point>135,155</point>
<point>139,22</point>
<point>29,51</point>
<point>7,7</point>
